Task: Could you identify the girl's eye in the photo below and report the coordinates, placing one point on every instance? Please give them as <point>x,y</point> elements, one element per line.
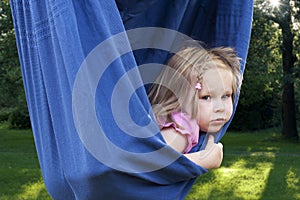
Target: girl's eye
<point>227,96</point>
<point>206,98</point>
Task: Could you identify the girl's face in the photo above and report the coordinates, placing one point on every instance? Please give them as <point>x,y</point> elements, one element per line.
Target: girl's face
<point>215,100</point>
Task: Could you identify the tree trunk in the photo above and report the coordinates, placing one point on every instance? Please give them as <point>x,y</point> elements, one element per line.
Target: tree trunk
<point>289,125</point>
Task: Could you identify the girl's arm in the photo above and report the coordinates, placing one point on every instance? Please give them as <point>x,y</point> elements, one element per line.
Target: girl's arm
<point>174,139</point>
<point>210,158</point>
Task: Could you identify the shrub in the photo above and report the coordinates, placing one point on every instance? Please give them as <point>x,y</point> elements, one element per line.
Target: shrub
<point>19,118</point>
<point>4,115</point>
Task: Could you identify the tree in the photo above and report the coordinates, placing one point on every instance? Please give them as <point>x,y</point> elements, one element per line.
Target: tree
<point>284,14</point>
<point>10,73</point>
<point>12,97</point>
<point>260,93</point>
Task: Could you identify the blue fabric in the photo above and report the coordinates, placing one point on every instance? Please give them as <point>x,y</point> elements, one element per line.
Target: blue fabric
<point>55,37</point>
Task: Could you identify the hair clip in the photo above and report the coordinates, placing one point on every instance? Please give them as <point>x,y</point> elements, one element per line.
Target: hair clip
<point>198,86</point>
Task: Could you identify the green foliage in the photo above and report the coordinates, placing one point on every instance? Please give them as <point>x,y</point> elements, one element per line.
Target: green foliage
<point>11,84</point>
<point>297,63</point>
<point>260,99</point>
<point>19,118</point>
<point>260,104</point>
<point>12,99</point>
<point>4,115</point>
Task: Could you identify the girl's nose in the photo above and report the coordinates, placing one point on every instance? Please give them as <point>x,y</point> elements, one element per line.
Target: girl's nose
<point>218,106</point>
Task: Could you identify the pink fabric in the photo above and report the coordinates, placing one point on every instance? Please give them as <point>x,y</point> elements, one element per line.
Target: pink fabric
<point>188,127</point>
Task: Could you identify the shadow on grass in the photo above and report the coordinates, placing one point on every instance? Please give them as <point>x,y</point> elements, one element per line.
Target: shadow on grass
<point>20,175</point>
<point>284,177</point>
<point>256,166</point>
<point>22,184</point>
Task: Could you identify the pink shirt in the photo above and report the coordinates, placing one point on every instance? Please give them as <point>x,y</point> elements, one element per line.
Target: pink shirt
<point>187,126</point>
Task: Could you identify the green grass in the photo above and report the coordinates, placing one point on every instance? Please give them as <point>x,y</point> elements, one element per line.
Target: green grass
<point>20,176</point>
<point>256,166</point>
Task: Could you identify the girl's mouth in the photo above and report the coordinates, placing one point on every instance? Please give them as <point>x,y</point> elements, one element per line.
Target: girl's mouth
<point>218,121</point>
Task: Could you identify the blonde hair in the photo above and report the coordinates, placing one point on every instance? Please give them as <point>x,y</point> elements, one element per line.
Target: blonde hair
<point>184,69</point>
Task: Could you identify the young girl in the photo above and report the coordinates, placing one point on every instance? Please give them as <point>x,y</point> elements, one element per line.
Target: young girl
<point>195,93</point>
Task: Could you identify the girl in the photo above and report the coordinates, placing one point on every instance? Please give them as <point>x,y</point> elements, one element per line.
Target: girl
<point>195,93</point>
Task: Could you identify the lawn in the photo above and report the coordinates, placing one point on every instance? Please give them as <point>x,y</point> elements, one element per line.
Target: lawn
<point>20,176</point>
<point>256,166</point>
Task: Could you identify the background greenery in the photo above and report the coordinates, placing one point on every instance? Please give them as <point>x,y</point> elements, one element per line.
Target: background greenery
<point>13,107</point>
<point>260,104</point>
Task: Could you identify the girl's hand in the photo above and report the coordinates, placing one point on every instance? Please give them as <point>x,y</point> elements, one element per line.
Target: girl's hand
<point>211,157</point>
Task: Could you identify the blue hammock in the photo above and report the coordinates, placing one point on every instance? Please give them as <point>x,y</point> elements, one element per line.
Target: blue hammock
<point>84,78</point>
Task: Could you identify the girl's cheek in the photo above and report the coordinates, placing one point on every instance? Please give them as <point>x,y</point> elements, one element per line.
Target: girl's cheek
<point>229,110</point>
<point>230,113</point>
